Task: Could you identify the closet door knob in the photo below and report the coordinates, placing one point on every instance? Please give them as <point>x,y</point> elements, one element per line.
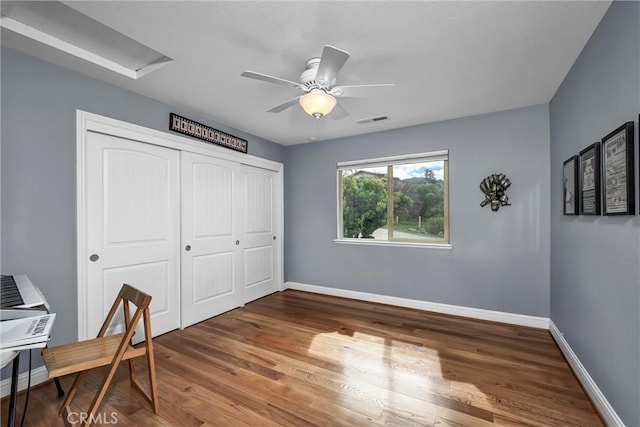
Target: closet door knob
<point>187,248</point>
<point>237,242</point>
<point>94,258</point>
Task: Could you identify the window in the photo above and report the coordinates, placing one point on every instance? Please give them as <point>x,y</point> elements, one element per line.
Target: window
<point>402,199</point>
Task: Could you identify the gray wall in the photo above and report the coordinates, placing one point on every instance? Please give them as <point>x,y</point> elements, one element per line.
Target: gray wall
<point>595,278</point>
<point>499,260</point>
<point>39,102</point>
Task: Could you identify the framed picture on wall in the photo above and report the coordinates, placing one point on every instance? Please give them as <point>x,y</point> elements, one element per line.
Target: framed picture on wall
<point>618,172</point>
<point>589,180</point>
<point>570,186</point>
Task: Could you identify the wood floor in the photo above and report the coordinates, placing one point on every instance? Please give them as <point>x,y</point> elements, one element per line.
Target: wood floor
<point>296,358</point>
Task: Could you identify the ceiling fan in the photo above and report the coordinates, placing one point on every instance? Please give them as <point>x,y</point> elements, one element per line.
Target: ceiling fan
<point>318,82</point>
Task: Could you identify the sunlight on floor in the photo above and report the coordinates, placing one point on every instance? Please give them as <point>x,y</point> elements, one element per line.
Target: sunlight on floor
<point>393,375</point>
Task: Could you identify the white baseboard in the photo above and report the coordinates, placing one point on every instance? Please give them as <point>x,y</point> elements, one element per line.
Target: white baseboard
<point>455,310</point>
<point>607,412</point>
<point>38,376</point>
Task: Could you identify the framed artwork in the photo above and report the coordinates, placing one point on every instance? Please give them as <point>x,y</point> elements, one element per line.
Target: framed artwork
<point>589,182</point>
<point>618,172</point>
<point>570,189</point>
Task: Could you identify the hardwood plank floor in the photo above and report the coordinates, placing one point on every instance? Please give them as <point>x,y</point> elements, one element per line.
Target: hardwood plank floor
<point>296,358</point>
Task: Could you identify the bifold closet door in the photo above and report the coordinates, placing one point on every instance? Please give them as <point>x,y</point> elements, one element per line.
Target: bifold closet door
<point>211,226</point>
<point>132,227</point>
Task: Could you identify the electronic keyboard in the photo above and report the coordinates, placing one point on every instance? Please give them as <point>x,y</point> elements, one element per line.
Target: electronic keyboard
<point>19,292</point>
<point>20,298</point>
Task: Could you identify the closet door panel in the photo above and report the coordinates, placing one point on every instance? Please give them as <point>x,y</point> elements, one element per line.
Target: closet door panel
<point>132,223</point>
<point>258,233</point>
<point>210,254</point>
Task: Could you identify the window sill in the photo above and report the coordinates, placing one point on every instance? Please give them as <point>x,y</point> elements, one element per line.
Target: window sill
<point>372,242</point>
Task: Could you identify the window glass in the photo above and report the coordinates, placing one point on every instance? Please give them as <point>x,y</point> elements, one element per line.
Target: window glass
<point>395,199</point>
<point>364,203</point>
<point>418,201</point>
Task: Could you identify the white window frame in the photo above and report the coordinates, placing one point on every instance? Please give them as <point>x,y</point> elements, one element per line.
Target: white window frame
<point>390,161</point>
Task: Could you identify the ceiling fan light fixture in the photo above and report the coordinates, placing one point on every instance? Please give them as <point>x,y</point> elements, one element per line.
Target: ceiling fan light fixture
<point>317,103</point>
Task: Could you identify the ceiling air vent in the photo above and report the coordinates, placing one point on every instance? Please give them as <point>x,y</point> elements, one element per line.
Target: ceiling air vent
<point>372,120</point>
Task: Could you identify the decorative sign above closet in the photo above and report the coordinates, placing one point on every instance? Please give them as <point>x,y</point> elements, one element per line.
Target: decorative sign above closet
<point>198,130</point>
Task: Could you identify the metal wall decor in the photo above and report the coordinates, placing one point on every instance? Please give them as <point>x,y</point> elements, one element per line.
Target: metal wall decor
<point>494,187</point>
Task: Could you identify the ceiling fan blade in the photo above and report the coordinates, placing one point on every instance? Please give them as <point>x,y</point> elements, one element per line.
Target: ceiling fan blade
<point>331,62</point>
<point>358,91</point>
<point>270,79</point>
<point>283,106</point>
<point>338,112</point>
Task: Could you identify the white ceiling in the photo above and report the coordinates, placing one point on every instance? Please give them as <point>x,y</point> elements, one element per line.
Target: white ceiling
<point>447,59</point>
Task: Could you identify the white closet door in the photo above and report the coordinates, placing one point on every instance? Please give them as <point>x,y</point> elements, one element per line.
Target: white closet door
<point>258,236</point>
<point>210,230</point>
<point>132,201</point>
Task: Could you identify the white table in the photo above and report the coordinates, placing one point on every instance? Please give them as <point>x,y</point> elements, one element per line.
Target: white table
<point>11,354</point>
<point>7,356</point>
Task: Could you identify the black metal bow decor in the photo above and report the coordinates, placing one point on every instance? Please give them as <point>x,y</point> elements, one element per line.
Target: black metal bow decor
<point>494,187</point>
